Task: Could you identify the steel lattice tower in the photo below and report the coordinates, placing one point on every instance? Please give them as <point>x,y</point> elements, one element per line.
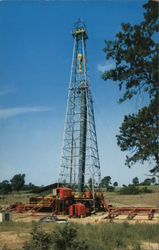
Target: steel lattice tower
<point>80,158</point>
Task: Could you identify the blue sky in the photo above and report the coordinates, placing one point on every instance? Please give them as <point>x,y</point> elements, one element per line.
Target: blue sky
<point>36,53</point>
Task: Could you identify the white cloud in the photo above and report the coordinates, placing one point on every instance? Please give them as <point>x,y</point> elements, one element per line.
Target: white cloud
<point>10,112</point>
<point>6,91</point>
<point>104,67</point>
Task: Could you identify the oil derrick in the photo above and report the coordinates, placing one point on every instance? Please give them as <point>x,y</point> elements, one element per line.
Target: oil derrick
<point>79,162</point>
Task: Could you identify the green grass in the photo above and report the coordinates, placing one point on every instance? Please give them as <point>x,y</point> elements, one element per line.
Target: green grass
<point>154,188</point>
<point>12,197</point>
<point>146,199</point>
<point>102,236</point>
<point>15,226</point>
<point>120,236</point>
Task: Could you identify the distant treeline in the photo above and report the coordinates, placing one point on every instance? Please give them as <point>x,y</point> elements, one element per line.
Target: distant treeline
<point>17,183</point>
<point>132,188</point>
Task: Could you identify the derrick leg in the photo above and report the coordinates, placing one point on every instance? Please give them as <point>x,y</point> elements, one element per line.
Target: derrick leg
<point>83,132</point>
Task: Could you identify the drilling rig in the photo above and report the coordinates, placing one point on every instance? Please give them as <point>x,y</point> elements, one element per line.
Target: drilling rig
<point>79,172</point>
<point>80,164</point>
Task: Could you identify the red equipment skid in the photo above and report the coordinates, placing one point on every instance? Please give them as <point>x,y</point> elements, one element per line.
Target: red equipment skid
<point>77,210</point>
<point>64,201</point>
<point>131,212</point>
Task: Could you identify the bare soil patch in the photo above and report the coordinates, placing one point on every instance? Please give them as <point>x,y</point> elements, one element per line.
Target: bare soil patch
<point>12,240</point>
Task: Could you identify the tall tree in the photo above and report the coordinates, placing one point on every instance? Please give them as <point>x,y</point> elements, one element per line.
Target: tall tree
<point>153,180</point>
<point>106,181</point>
<point>115,184</point>
<point>135,51</point>
<point>18,181</point>
<point>5,187</point>
<point>135,180</point>
<point>147,182</point>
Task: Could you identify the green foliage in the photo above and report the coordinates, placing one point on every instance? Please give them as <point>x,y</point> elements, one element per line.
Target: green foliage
<point>110,189</point>
<point>17,182</point>
<point>146,190</point>
<point>146,182</point>
<point>132,189</point>
<point>153,180</point>
<point>40,239</point>
<point>102,236</point>
<point>135,51</point>
<point>106,181</point>
<point>29,186</point>
<point>5,187</point>
<point>115,184</point>
<point>138,133</point>
<point>65,238</point>
<point>136,55</point>
<point>135,181</point>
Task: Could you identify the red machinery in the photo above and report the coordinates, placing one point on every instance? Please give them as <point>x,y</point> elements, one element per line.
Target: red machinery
<point>63,193</point>
<point>64,201</point>
<point>77,210</point>
<point>131,212</point>
<point>61,201</point>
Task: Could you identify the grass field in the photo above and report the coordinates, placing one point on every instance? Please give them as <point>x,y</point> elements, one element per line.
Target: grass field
<point>10,198</point>
<point>132,200</point>
<point>110,236</point>
<point>147,199</point>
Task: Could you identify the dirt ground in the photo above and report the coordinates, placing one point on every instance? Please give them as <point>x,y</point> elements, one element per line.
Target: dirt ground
<point>95,218</point>
<point>12,240</point>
